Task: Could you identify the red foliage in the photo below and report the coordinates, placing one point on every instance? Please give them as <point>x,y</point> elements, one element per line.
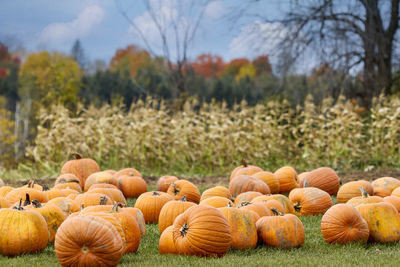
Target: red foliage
<point>3,72</point>
<point>261,63</point>
<point>208,65</point>
<point>132,57</point>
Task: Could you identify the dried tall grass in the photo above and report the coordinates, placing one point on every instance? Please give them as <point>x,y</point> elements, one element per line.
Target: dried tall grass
<point>212,139</point>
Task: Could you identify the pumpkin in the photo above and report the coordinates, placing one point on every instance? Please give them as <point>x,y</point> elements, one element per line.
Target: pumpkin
<point>33,185</point>
<point>166,243</point>
<point>68,191</point>
<point>257,207</point>
<point>202,231</point>
<point>68,206</point>
<point>129,225</point>
<point>270,179</point>
<point>103,185</point>
<point>111,171</point>
<point>383,221</point>
<point>4,190</point>
<point>20,193</point>
<point>183,188</point>
<point>352,189</point>
<point>283,230</point>
<point>395,201</point>
<point>245,183</point>
<point>364,199</point>
<point>310,200</point>
<point>53,193</point>
<point>164,182</point>
<point>300,178</point>
<point>90,199</point>
<point>396,192</point>
<point>284,200</point>
<point>132,186</point>
<point>217,191</point>
<point>4,203</point>
<point>171,210</point>
<point>323,178</point>
<point>151,203</point>
<point>88,241</point>
<point>343,224</point>
<point>100,178</point>
<point>287,177</point>
<point>270,203</point>
<point>246,197</point>
<point>242,227</point>
<point>80,167</point>
<point>216,202</point>
<point>127,171</point>
<point>384,186</point>
<point>67,178</point>
<point>101,207</point>
<point>22,231</point>
<point>53,215</point>
<point>114,194</point>
<point>71,185</point>
<point>244,169</point>
<point>138,215</point>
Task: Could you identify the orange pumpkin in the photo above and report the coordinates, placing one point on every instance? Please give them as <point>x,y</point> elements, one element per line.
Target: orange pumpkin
<point>170,211</point>
<point>310,200</point>
<point>4,190</point>
<point>395,201</point>
<point>325,179</point>
<point>103,185</point>
<point>114,194</point>
<point>68,206</point>
<point>164,182</point>
<point>245,183</point>
<point>90,199</point>
<point>216,202</point>
<point>352,189</point>
<point>270,203</point>
<point>53,193</point>
<point>166,243</point>
<point>246,197</point>
<point>257,207</point>
<point>151,203</point>
<point>127,171</point>
<point>343,224</point>
<point>80,167</point>
<point>137,213</point>
<point>88,241</point>
<point>16,194</point>
<point>4,203</point>
<point>71,185</point>
<point>32,184</point>
<point>244,169</point>
<point>183,188</point>
<point>284,200</point>
<point>287,177</point>
<point>132,186</point>
<point>67,178</point>
<point>202,231</point>
<point>270,179</point>
<point>300,178</point>
<point>364,199</point>
<point>217,191</point>
<point>100,178</point>
<point>384,186</point>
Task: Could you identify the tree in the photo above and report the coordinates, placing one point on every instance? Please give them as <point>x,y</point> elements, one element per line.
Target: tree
<point>176,26</point>
<point>208,65</point>
<point>132,58</point>
<point>78,54</point>
<point>233,67</point>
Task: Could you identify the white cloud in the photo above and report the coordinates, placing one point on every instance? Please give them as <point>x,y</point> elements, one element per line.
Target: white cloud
<point>215,10</point>
<point>58,33</point>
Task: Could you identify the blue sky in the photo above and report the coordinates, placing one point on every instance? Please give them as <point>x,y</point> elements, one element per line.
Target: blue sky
<point>55,25</point>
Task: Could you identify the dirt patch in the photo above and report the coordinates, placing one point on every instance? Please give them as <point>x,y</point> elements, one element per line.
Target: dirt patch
<point>209,181</point>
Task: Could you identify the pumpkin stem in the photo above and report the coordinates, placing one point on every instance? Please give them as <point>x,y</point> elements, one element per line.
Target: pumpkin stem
<point>36,203</point>
<point>176,190</point>
<point>297,207</point>
<point>183,199</point>
<point>31,183</point>
<point>76,155</point>
<point>184,229</point>
<point>131,174</point>
<point>305,183</point>
<point>82,207</point>
<point>244,163</point>
<point>155,193</point>
<point>27,200</point>
<point>115,207</point>
<point>245,203</point>
<point>103,200</point>
<point>276,212</point>
<point>19,206</point>
<point>229,205</point>
<point>364,192</point>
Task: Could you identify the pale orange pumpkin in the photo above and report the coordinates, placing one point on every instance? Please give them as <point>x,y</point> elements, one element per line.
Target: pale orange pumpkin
<point>287,177</point>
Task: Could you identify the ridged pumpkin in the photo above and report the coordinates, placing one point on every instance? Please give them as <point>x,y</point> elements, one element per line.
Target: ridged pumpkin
<point>270,179</point>
<point>270,203</point>
<point>171,210</point>
<point>202,231</point>
<point>352,189</point>
<point>127,171</point>
<point>151,203</point>
<point>383,221</point>
<point>243,227</point>
<point>164,182</point>
<point>53,193</point>
<point>4,203</point>
<point>246,197</point>
<point>257,207</point>
<point>282,231</point>
<point>384,186</point>
<point>67,178</point>
<point>22,231</point>
<point>53,215</point>
<point>34,185</point>
<point>183,188</point>
<point>343,224</point>
<point>396,192</point>
<point>68,206</point>
<point>166,243</point>
<point>284,200</point>
<point>80,167</point>
<point>100,178</point>
<point>4,190</point>
<point>287,177</point>
<point>217,191</point>
<point>88,241</point>
<point>91,199</point>
<point>137,213</point>
<point>114,194</point>
<point>395,201</point>
<point>323,178</point>
<point>132,186</point>
<point>103,185</point>
<point>364,199</point>
<point>244,169</point>
<point>71,185</point>
<point>217,202</point>
<point>245,183</point>
<point>300,178</point>
<point>16,194</point>
<point>310,200</point>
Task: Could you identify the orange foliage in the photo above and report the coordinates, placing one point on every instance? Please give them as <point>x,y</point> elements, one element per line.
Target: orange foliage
<point>131,58</point>
<point>208,65</point>
<point>233,67</point>
<point>261,63</point>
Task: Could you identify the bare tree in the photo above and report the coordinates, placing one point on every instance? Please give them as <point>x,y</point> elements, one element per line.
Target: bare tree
<point>352,34</point>
<point>176,28</point>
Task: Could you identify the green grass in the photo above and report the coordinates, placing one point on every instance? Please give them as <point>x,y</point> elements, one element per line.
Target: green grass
<point>314,252</point>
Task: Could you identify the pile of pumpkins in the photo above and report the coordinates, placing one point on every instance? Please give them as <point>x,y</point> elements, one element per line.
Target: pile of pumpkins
<point>86,217</point>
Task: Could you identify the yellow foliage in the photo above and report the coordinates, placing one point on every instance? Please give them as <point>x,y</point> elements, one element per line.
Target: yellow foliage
<point>246,71</point>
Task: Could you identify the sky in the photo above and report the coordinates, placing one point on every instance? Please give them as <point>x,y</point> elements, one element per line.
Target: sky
<point>102,29</point>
